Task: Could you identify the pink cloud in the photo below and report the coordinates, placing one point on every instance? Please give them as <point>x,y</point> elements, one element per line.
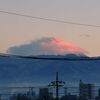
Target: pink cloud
<point>47,46</point>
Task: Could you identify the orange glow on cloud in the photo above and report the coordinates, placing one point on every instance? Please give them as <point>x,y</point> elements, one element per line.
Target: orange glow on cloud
<point>62,47</point>
<point>47,46</point>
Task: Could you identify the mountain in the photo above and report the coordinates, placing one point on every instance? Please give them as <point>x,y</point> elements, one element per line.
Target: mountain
<point>19,70</point>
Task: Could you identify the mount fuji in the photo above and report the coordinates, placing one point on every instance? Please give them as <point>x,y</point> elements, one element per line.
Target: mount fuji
<point>16,70</point>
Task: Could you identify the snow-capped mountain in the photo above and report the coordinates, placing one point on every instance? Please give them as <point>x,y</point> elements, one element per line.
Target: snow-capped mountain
<point>17,70</point>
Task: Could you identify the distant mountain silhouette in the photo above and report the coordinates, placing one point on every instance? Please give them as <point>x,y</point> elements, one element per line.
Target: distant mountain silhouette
<point>14,70</point>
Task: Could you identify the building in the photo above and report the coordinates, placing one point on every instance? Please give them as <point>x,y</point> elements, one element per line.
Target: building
<point>69,97</point>
<point>98,97</point>
<point>44,94</point>
<point>31,94</point>
<point>86,90</point>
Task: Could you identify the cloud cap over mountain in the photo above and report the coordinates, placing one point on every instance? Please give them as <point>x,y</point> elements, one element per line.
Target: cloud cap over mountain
<point>46,46</point>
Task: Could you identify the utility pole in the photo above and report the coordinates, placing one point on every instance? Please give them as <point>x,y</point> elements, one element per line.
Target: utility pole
<point>57,84</point>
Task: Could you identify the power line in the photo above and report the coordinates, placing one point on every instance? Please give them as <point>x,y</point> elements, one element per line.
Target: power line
<point>48,19</point>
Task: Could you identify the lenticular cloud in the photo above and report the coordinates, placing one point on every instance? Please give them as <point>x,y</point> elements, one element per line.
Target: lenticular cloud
<point>46,46</point>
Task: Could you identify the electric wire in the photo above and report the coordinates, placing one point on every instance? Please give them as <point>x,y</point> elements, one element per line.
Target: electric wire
<point>49,19</point>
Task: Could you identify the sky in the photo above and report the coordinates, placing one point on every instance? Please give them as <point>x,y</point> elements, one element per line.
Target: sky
<point>16,31</point>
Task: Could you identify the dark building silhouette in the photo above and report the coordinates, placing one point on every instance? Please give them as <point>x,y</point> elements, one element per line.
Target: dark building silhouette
<point>69,97</point>
<point>99,92</point>
<point>98,97</point>
<point>31,94</point>
<point>86,91</point>
<point>20,97</point>
<point>44,94</point>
